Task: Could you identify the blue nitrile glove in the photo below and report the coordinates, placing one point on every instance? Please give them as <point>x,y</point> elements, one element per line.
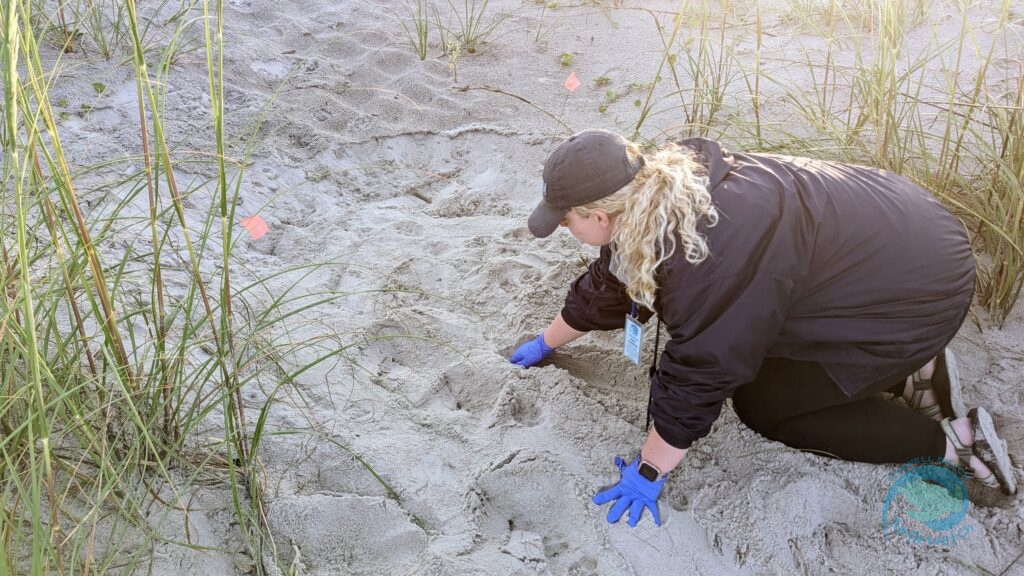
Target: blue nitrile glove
<point>532,352</point>
<point>633,493</point>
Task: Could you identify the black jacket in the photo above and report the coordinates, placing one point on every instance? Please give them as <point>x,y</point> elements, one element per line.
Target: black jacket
<point>853,267</point>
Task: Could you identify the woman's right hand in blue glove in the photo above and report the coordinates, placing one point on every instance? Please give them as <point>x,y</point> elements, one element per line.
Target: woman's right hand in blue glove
<point>531,353</point>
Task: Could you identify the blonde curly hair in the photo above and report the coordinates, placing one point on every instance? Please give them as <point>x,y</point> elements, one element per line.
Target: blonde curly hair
<point>660,209</point>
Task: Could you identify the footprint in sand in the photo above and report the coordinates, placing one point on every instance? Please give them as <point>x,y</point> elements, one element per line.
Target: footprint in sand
<point>514,406</point>
<point>346,535</point>
<point>526,503</point>
<point>465,387</point>
<point>243,6</point>
<point>271,70</point>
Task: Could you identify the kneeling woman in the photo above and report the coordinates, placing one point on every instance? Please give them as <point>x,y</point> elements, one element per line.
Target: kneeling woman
<point>801,288</point>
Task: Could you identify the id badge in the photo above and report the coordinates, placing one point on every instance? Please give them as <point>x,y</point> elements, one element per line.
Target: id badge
<point>634,335</point>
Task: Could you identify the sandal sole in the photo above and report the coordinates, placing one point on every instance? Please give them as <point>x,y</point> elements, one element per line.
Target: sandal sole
<point>945,383</point>
<point>954,393</point>
<point>1000,464</point>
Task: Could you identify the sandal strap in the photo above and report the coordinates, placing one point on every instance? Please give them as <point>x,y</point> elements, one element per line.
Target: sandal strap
<point>920,382</point>
<point>922,385</point>
<point>989,481</point>
<point>963,453</point>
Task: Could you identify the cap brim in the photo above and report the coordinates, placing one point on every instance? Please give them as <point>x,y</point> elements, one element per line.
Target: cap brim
<point>545,219</point>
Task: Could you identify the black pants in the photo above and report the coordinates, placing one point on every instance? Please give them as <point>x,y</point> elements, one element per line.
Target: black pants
<point>798,404</point>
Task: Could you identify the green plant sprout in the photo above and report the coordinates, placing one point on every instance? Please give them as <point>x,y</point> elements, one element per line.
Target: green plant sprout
<point>415,26</point>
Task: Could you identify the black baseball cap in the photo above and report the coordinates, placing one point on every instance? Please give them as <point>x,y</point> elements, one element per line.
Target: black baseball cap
<point>590,165</point>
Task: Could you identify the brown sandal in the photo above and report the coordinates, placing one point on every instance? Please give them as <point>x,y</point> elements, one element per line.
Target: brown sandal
<point>987,447</point>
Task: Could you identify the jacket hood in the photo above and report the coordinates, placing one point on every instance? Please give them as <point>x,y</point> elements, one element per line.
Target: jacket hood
<point>716,159</point>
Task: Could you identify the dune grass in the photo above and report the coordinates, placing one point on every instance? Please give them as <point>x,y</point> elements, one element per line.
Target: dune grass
<point>416,26</point>
<point>854,89</point>
<point>102,363</point>
<point>463,29</point>
<point>126,336</point>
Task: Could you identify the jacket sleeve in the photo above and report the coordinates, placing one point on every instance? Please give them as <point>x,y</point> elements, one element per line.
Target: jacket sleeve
<point>597,300</point>
<point>720,330</point>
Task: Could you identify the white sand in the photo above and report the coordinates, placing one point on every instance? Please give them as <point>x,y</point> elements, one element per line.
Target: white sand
<point>404,180</point>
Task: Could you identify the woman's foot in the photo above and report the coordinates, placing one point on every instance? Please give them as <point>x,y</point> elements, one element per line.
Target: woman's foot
<point>962,429</point>
<point>973,444</point>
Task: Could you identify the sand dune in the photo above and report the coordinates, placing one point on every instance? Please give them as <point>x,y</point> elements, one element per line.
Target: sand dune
<point>406,180</point>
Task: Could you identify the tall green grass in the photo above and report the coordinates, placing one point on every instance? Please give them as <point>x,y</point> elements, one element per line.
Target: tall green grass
<point>852,88</point>
<point>125,335</point>
<point>416,26</point>
<point>466,27</point>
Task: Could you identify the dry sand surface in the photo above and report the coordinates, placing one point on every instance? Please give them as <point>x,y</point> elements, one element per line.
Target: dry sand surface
<point>404,177</point>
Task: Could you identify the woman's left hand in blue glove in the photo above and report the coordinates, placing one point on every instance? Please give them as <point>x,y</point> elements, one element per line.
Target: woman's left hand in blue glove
<point>633,493</point>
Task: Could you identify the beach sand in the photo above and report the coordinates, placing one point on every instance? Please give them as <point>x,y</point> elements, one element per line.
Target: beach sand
<point>412,182</point>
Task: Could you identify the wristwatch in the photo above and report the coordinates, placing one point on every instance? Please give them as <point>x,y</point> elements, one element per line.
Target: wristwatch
<point>649,471</point>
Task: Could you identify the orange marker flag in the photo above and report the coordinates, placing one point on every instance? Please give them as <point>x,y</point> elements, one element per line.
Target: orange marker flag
<point>572,82</point>
<point>256,226</point>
